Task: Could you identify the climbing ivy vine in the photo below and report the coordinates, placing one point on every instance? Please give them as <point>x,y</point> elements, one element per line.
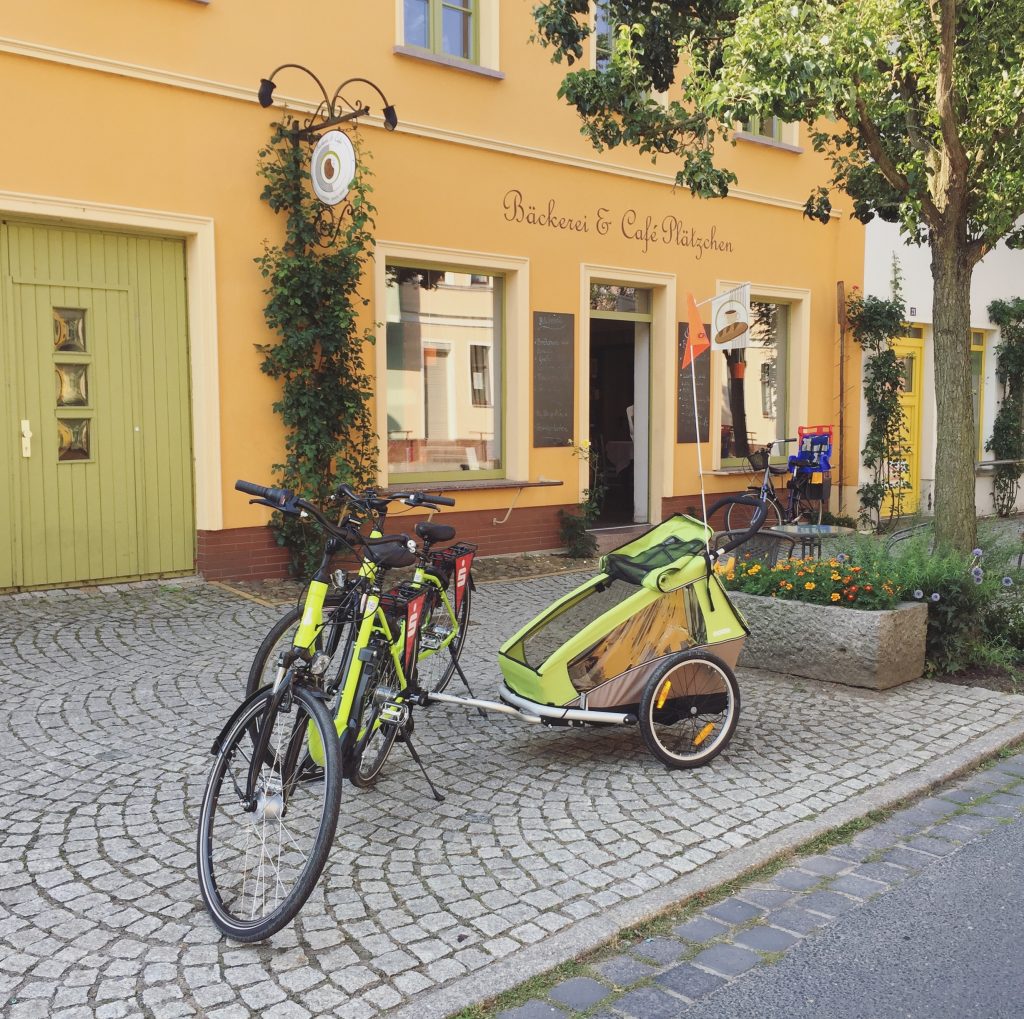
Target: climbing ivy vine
<point>874,322</point>
<point>1007,440</point>
<point>313,305</point>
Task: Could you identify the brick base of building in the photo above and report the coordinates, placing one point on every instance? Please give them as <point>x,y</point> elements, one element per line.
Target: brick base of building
<point>249,553</point>
<point>690,504</point>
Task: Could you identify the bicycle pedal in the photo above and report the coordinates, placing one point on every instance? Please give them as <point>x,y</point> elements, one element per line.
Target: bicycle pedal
<point>394,713</point>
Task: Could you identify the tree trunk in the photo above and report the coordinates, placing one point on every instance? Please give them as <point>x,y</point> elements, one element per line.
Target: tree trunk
<point>955,516</point>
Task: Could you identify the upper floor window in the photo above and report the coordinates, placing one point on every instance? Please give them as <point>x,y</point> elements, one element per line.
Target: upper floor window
<point>445,27</point>
<point>603,37</point>
<point>771,129</point>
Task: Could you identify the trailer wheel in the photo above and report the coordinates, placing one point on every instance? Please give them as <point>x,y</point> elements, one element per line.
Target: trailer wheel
<point>689,709</point>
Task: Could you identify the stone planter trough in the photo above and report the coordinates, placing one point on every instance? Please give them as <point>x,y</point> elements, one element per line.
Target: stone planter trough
<point>836,645</point>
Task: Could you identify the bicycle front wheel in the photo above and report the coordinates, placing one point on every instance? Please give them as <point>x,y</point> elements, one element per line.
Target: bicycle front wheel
<point>689,709</point>
<point>740,515</point>
<point>258,862</point>
<point>436,664</point>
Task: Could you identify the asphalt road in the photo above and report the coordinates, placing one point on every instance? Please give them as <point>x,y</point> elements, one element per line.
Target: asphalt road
<point>948,943</point>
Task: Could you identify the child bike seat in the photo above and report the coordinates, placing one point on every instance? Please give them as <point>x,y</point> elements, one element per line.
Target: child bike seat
<point>435,532</point>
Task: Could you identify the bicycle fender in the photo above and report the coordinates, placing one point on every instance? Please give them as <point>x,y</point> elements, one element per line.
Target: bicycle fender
<point>235,715</point>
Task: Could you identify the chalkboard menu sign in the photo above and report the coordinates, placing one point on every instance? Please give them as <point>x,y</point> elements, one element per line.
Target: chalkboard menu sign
<point>686,425</point>
<point>553,379</point>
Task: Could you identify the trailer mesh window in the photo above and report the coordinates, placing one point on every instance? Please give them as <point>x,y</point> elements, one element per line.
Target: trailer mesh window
<point>555,630</point>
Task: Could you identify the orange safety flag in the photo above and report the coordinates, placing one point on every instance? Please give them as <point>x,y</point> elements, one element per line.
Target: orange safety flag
<point>697,339</point>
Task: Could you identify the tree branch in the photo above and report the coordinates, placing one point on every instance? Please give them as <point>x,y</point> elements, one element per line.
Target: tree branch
<point>869,134</point>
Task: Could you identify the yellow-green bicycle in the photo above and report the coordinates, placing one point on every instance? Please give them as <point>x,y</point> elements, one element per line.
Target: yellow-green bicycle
<point>340,696</point>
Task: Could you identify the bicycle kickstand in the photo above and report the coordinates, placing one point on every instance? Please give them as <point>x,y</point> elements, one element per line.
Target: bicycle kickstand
<point>416,758</point>
<point>465,683</point>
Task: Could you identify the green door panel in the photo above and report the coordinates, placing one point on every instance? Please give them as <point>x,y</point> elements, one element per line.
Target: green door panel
<point>93,326</point>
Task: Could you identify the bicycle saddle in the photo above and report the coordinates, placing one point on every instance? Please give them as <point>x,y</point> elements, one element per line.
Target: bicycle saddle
<point>435,532</point>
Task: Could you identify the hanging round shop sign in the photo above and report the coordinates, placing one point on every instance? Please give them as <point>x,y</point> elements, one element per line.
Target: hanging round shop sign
<point>333,166</point>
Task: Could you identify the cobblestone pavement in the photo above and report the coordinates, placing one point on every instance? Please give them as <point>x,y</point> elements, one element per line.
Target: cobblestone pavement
<point>112,699</point>
<point>678,973</point>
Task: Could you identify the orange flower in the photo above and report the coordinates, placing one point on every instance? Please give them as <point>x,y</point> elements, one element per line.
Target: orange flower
<point>836,596</point>
<point>809,586</point>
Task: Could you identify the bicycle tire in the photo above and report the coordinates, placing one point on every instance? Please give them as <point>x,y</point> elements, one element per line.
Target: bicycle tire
<point>740,515</point>
<point>690,722</point>
<point>434,672</point>
<point>311,804</point>
<point>366,768</point>
<point>264,666</point>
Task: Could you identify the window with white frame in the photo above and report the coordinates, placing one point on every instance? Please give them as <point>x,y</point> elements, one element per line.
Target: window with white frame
<point>444,326</point>
<point>754,398</point>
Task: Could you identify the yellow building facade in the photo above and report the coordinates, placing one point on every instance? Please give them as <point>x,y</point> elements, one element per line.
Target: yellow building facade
<point>527,292</point>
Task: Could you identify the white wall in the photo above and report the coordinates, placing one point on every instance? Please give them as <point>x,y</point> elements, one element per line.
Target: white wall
<point>999,275</point>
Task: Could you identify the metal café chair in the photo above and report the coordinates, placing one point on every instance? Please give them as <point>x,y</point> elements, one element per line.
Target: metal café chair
<point>766,546</point>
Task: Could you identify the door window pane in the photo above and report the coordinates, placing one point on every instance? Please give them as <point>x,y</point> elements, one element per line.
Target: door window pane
<point>73,439</point>
<point>977,381</point>
<point>72,385</point>
<point>754,387</point>
<point>629,300</point>
<point>442,328</point>
<point>69,329</point>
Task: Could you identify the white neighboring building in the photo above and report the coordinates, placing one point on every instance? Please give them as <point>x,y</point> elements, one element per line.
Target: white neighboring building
<point>999,276</point>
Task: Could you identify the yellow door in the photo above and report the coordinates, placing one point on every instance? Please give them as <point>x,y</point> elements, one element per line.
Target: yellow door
<point>96,421</point>
<point>907,472</point>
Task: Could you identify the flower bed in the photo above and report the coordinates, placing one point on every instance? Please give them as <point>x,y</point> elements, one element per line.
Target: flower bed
<point>835,581</point>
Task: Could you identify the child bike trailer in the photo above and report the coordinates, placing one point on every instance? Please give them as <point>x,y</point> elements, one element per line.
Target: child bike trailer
<point>652,639</point>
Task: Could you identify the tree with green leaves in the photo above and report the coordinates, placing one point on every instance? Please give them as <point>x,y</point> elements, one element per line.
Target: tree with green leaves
<point>916,105</point>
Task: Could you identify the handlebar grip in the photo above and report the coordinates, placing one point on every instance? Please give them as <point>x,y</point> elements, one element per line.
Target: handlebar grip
<point>278,496</point>
<point>441,500</point>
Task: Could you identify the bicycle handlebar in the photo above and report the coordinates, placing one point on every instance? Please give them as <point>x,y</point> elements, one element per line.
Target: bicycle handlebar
<point>760,512</point>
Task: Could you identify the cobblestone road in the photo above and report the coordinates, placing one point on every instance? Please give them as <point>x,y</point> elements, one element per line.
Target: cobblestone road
<point>111,701</point>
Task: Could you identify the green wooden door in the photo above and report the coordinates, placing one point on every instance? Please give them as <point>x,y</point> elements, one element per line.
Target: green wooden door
<point>94,340</point>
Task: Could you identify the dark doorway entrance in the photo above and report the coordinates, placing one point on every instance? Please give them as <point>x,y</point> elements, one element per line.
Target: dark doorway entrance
<point>612,360</point>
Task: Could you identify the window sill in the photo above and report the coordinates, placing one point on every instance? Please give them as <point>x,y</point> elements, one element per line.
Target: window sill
<point>725,472</point>
<point>455,64</point>
<point>760,139</point>
<point>469,486</point>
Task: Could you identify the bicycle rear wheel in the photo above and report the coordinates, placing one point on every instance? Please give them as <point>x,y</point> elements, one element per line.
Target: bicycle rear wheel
<point>334,639</point>
<point>379,735</point>
<point>805,509</point>
<point>740,515</point>
<point>689,709</point>
<point>435,669</point>
<point>258,866</point>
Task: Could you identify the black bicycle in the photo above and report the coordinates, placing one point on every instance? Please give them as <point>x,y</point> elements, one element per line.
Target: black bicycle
<point>801,506</point>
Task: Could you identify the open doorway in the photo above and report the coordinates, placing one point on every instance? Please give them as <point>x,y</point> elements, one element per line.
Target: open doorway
<point>619,401</point>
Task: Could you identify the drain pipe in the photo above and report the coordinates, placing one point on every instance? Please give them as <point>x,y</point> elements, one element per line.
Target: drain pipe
<point>843,324</point>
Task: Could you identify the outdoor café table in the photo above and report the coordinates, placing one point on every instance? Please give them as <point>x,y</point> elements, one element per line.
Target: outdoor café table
<point>810,536</point>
